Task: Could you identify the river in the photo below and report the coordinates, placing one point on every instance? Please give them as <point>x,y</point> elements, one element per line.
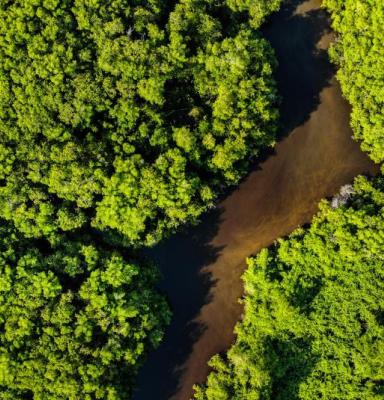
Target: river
<point>202,266</point>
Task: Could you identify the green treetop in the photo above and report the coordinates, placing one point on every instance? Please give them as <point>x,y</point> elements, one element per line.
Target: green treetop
<point>75,320</point>
<point>359,52</point>
<point>128,115</point>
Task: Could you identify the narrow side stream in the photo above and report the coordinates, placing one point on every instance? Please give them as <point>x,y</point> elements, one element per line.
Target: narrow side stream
<point>203,265</point>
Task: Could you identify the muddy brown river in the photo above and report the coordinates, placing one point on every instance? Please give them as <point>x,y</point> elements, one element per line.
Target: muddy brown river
<point>202,266</point>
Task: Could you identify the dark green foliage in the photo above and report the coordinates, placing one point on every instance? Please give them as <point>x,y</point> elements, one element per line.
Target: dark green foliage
<point>359,51</point>
<point>314,311</point>
<point>129,115</point>
<point>75,320</point>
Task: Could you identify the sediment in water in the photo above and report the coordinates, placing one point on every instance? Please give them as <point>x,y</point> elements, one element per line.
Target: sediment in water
<point>202,266</point>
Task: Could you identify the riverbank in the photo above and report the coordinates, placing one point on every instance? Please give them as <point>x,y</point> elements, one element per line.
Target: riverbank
<point>202,266</point>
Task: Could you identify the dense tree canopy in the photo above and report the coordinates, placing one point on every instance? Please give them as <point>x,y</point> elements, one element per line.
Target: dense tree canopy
<point>75,320</point>
<point>359,51</point>
<point>129,115</point>
<point>314,311</point>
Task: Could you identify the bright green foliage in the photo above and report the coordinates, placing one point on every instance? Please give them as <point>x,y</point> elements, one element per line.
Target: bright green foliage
<point>314,312</point>
<point>257,9</point>
<point>128,115</point>
<point>75,320</point>
<point>359,51</point>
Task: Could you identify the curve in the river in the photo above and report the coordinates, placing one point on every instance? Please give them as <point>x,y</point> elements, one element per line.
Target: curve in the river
<point>202,266</point>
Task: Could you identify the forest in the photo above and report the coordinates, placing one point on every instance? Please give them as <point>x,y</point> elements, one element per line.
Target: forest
<point>76,318</point>
<point>128,117</point>
<point>119,121</point>
<point>122,121</point>
<point>313,325</point>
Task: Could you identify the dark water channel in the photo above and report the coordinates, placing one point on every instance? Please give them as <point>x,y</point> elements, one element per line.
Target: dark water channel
<point>202,266</point>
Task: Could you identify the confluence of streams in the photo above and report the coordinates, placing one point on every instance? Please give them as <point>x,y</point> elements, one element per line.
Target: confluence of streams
<point>202,266</point>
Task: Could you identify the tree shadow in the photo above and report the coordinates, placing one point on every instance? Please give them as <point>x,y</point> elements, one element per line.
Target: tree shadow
<point>181,259</point>
<point>303,69</point>
<point>290,363</point>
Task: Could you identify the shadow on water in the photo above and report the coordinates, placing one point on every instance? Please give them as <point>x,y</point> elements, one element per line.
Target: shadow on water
<point>181,260</point>
<point>303,71</point>
<point>304,68</point>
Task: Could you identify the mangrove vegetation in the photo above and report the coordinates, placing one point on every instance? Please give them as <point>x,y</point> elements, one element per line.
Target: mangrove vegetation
<point>119,121</point>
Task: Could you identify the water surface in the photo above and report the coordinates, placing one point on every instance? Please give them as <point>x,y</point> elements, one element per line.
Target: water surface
<point>203,265</point>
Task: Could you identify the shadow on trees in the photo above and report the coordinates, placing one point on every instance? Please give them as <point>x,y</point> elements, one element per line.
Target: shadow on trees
<point>181,259</point>
<point>290,363</point>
